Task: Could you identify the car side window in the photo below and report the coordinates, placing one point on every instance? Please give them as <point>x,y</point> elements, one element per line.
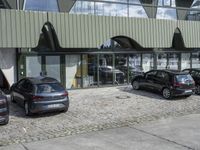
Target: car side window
<point>27,86</point>
<point>162,76</point>
<point>151,74</point>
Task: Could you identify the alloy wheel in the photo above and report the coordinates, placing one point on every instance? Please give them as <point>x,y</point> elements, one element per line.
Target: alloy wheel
<point>197,89</point>
<point>135,85</point>
<point>166,93</point>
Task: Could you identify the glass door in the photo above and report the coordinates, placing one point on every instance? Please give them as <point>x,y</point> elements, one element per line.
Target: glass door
<point>161,61</point>
<point>173,61</point>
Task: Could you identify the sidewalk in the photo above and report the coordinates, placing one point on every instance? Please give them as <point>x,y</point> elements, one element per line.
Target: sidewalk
<point>166,134</point>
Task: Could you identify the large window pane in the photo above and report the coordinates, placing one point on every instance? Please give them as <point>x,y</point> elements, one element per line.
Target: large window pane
<point>137,11</point>
<point>147,62</point>
<point>33,66</point>
<point>83,7</point>
<point>173,61</point>
<point>89,69</point>
<point>121,66</point>
<point>73,71</point>
<point>41,5</point>
<point>185,61</point>
<point>53,67</point>
<point>196,60</point>
<point>135,67</point>
<point>110,9</point>
<point>106,69</point>
<point>166,13</point>
<point>161,61</point>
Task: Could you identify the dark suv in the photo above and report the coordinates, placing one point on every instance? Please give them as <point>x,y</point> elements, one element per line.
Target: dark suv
<point>195,73</point>
<point>169,83</point>
<point>4,109</point>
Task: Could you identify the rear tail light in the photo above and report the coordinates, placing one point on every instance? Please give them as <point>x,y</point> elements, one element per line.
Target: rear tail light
<point>37,98</point>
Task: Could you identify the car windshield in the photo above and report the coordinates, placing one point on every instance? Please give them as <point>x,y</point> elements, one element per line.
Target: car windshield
<point>49,88</point>
<point>183,78</point>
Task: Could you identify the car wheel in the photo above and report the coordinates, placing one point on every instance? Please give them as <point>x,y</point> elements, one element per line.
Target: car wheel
<point>135,85</point>
<point>186,96</point>
<point>166,93</point>
<point>197,89</point>
<point>26,108</point>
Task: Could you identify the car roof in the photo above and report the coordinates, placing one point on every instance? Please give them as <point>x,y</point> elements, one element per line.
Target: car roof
<point>175,72</point>
<point>197,69</point>
<point>40,80</point>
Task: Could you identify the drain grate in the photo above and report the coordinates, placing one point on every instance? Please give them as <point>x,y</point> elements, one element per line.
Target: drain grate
<point>123,97</point>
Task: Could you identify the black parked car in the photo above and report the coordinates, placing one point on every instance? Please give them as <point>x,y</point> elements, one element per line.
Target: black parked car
<point>195,73</point>
<point>169,82</point>
<point>4,109</point>
<point>41,94</point>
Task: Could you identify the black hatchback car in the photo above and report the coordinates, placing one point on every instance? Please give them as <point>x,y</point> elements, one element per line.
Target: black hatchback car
<point>4,109</point>
<point>169,83</point>
<point>195,73</point>
<point>41,94</point>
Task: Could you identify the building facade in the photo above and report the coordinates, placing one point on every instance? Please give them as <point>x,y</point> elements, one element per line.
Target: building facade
<point>94,43</point>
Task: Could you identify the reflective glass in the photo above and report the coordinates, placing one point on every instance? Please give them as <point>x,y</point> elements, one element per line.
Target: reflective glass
<point>106,70</point>
<point>196,60</point>
<point>41,5</point>
<point>135,67</point>
<point>161,61</point>
<point>33,69</point>
<point>53,67</point>
<point>83,7</point>
<point>89,70</point>
<point>185,61</point>
<point>73,71</point>
<point>137,11</point>
<point>111,9</point>
<point>147,62</point>
<point>166,13</point>
<point>173,61</point>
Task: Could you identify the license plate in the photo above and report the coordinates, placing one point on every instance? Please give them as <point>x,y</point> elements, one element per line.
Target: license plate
<point>53,105</point>
<point>188,91</point>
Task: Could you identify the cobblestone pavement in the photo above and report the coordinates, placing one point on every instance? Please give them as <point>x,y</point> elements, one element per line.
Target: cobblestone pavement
<point>94,110</point>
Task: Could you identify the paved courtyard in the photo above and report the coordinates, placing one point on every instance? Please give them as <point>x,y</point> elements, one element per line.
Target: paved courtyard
<point>95,110</point>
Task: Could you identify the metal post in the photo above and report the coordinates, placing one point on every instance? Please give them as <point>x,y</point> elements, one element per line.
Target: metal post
<point>18,7</point>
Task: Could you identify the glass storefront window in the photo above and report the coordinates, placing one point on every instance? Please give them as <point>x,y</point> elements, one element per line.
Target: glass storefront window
<point>106,70</point>
<point>161,61</point>
<point>73,71</point>
<point>41,5</point>
<point>53,67</point>
<point>173,61</point>
<point>33,69</point>
<point>135,67</point>
<point>147,62</point>
<point>196,60</point>
<point>89,70</point>
<point>185,61</point>
<point>121,68</point>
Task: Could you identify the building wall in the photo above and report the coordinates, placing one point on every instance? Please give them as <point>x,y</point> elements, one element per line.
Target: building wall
<point>8,64</point>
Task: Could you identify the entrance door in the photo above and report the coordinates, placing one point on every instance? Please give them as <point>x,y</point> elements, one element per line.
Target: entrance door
<point>53,67</point>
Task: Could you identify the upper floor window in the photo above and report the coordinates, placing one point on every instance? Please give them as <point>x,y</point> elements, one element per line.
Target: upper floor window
<point>169,3</point>
<point>41,5</point>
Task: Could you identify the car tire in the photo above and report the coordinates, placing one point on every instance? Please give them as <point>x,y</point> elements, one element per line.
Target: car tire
<point>166,93</point>
<point>27,109</point>
<point>135,85</point>
<point>197,90</point>
<point>186,96</point>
